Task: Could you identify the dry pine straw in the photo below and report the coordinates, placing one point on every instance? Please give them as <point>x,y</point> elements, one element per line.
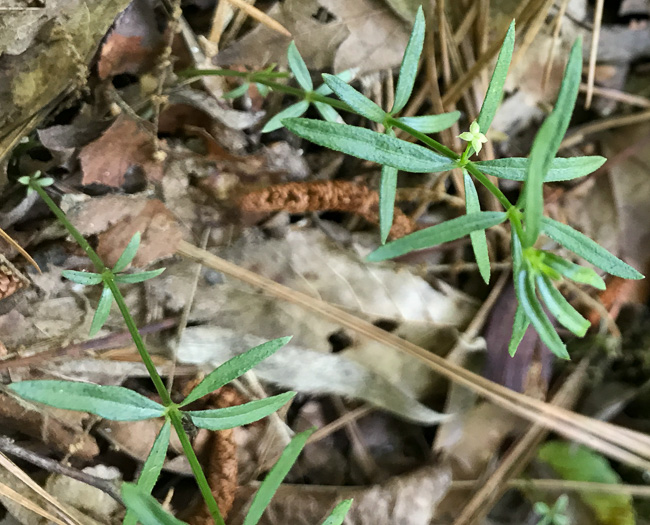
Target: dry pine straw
<point>337,195</point>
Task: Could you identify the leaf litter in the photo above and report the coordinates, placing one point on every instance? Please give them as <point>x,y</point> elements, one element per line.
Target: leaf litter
<point>214,154</point>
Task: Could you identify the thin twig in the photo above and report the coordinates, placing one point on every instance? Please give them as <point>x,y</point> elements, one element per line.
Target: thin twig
<point>561,485</point>
<point>582,132</point>
<point>8,446</point>
<point>261,17</point>
<point>593,52</point>
<point>185,315</point>
<point>66,514</point>
<point>627,446</point>
<point>556,40</point>
<point>520,455</point>
<point>21,500</point>
<point>618,95</point>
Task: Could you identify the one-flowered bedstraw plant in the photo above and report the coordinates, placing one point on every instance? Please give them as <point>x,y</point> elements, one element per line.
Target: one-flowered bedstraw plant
<point>535,271</point>
<point>121,404</point>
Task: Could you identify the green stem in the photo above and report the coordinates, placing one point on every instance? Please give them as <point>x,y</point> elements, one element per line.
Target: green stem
<point>139,343</point>
<point>174,413</point>
<point>177,421</point>
<point>81,241</point>
<point>390,121</point>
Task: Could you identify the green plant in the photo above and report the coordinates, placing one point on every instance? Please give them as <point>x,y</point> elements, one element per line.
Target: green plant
<point>555,515</point>
<point>535,270</point>
<point>121,404</point>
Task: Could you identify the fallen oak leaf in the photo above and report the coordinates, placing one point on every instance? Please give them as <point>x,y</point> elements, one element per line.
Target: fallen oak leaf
<point>116,218</point>
<point>124,144</point>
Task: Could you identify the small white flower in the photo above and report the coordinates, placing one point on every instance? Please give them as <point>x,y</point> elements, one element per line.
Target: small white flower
<point>474,136</point>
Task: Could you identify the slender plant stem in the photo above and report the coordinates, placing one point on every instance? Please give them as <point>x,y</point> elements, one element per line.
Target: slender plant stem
<point>81,241</point>
<point>139,343</point>
<point>173,413</point>
<point>263,78</point>
<point>175,417</point>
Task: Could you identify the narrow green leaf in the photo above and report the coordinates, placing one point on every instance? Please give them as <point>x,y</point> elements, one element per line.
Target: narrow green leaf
<point>338,514</point>
<point>566,99</point>
<point>328,112</point>
<point>146,509</point>
<point>533,309</point>
<point>409,68</point>
<point>138,277</point>
<point>478,238</point>
<point>589,250</point>
<point>110,402</point>
<point>387,190</point>
<point>102,312</point>
<point>346,76</point>
<point>369,145</point>
<point>295,110</point>
<point>262,89</point>
<point>152,467</point>
<point>431,123</point>
<point>519,327</point>
<point>299,68</point>
<point>438,234</point>
<point>575,272</point>
<point>85,278</point>
<point>233,368</point>
<point>128,254</point>
<point>495,89</point>
<point>237,416</point>
<point>357,101</point>
<point>272,481</point>
<point>561,168</point>
<point>541,157</point>
<point>238,91</point>
<point>566,315</point>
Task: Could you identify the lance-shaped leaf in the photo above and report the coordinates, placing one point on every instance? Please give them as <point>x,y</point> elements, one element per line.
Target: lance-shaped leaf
<point>575,272</point>
<point>566,315</point>
<point>533,309</point>
<point>541,157</point>
<point>431,123</point>
<point>233,368</point>
<point>338,514</point>
<point>152,467</point>
<point>102,312</point>
<point>128,254</point>
<point>237,416</point>
<point>295,110</point>
<point>519,327</point>
<point>561,168</point>
<point>589,250</point>
<point>387,190</point>
<point>110,402</point>
<point>495,89</point>
<point>146,509</point>
<point>328,112</point>
<point>441,233</point>
<point>298,67</point>
<point>357,101</point>
<point>566,99</point>
<point>236,93</point>
<point>138,277</point>
<point>478,238</point>
<point>409,68</point>
<point>369,145</point>
<point>274,478</point>
<point>85,278</point>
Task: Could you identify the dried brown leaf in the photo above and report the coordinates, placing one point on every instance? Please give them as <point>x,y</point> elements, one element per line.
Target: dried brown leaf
<point>125,144</point>
<point>116,218</point>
